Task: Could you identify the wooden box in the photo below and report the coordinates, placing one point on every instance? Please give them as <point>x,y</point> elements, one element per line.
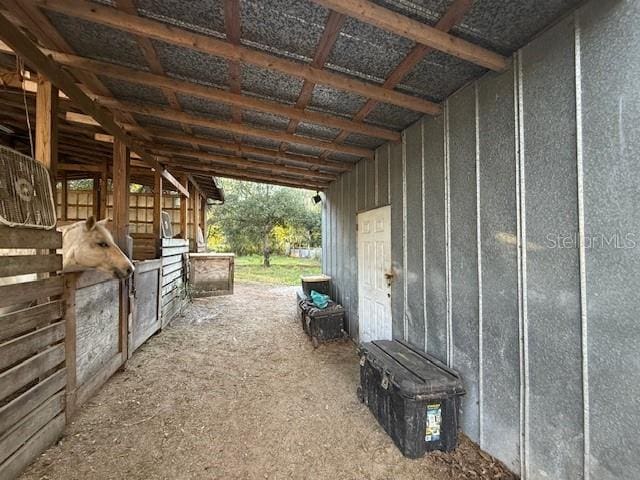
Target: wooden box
<point>211,274</point>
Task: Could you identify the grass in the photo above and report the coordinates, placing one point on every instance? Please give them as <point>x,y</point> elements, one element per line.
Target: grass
<point>283,270</point>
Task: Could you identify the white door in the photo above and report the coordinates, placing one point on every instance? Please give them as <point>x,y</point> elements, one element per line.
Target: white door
<point>374,279</point>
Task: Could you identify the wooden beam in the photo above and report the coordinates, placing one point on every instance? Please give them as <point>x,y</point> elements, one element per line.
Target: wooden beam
<point>232,30</point>
<point>329,35</point>
<point>120,186</point>
<point>157,211</point>
<point>64,201</point>
<point>203,43</point>
<point>46,67</point>
<point>208,122</point>
<point>173,181</point>
<point>46,141</point>
<point>454,15</point>
<point>369,12</point>
<point>81,118</point>
<point>238,162</point>
<point>219,95</point>
<point>184,204</point>
<point>245,150</point>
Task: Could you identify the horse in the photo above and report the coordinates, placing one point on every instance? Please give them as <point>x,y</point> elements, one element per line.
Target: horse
<point>87,244</point>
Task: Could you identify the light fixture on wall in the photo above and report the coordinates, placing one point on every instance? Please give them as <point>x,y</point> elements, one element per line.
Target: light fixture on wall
<point>317,198</point>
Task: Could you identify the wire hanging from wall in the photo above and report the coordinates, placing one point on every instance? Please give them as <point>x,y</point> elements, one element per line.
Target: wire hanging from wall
<point>20,66</point>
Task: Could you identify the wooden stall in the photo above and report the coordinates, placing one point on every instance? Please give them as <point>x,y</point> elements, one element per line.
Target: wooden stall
<point>175,256</point>
<point>145,302</point>
<point>211,274</point>
<point>32,346</point>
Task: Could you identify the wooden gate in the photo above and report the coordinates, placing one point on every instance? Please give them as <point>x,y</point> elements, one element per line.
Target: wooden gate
<point>32,349</point>
<point>145,302</point>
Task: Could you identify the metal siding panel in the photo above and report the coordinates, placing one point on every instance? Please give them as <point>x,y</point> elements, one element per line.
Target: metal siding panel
<point>397,250</point>
<point>435,288</point>
<point>464,252</point>
<point>371,183</point>
<point>382,176</point>
<point>324,234</point>
<point>552,272</point>
<point>610,41</point>
<point>362,185</point>
<point>352,258</point>
<point>339,283</point>
<point>334,234</point>
<point>501,353</point>
<point>415,278</point>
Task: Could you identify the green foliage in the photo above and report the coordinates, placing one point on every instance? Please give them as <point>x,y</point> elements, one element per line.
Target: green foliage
<point>283,270</point>
<point>263,219</point>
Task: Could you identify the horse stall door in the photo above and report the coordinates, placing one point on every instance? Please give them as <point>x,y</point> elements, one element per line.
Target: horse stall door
<point>145,305</point>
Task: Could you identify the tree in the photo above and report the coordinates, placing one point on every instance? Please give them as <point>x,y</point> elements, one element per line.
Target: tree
<point>252,211</point>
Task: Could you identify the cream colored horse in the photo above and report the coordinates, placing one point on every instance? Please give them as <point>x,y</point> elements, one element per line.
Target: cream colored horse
<point>89,244</point>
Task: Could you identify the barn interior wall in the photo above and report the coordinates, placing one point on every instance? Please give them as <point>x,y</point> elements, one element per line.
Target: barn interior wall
<point>514,239</point>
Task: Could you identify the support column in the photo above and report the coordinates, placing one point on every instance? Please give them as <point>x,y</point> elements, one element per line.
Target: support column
<point>184,210</point>
<point>46,147</point>
<point>203,216</point>
<point>121,170</point>
<point>196,217</point>
<point>120,193</point>
<point>64,197</point>
<point>157,212</point>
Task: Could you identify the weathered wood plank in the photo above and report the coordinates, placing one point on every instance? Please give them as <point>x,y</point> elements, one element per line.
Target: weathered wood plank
<point>143,267</point>
<point>88,278</point>
<point>91,386</point>
<point>34,447</point>
<point>21,264</point>
<point>167,289</point>
<point>168,260</point>
<point>22,347</point>
<point>168,251</point>
<point>171,268</point>
<point>97,332</point>
<point>17,377</point>
<point>167,279</point>
<point>146,317</point>
<point>175,242</point>
<point>29,425</point>
<point>29,238</point>
<point>26,292</point>
<point>20,406</point>
<point>16,323</point>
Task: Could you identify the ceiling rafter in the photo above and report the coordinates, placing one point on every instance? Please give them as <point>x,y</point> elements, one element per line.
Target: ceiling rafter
<point>454,15</point>
<point>381,17</point>
<point>325,45</point>
<point>151,56</point>
<point>209,122</point>
<point>218,95</point>
<point>177,36</point>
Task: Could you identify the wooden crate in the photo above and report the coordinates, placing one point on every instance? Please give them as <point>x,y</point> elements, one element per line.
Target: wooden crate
<point>211,274</point>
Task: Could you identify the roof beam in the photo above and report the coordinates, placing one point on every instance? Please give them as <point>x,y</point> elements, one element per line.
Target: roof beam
<point>45,66</point>
<point>329,35</point>
<point>238,162</point>
<point>419,32</point>
<point>454,15</point>
<point>166,33</point>
<point>208,122</point>
<point>219,95</point>
<point>152,59</point>
<point>242,150</point>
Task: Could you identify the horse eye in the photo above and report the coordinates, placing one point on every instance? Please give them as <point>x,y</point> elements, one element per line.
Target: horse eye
<point>103,244</point>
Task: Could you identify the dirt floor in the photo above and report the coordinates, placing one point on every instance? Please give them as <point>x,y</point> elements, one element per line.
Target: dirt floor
<point>234,390</point>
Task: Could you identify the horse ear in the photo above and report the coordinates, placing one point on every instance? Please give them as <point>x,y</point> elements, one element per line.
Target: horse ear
<point>90,223</point>
<point>104,222</point>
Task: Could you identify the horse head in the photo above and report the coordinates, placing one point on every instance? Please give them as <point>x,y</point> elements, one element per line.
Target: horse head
<point>89,244</point>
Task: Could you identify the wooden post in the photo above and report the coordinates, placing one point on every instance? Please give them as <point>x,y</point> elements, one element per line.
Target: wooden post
<point>203,216</point>
<point>46,147</point>
<point>196,217</point>
<point>121,169</point>
<point>104,194</point>
<point>120,194</point>
<point>184,208</point>
<point>157,212</point>
<point>64,197</point>
<point>96,197</point>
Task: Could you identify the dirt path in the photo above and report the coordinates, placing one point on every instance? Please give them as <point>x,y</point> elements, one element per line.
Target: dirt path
<point>227,392</point>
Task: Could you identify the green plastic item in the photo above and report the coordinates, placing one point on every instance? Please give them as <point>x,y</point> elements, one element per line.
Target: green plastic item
<point>320,300</point>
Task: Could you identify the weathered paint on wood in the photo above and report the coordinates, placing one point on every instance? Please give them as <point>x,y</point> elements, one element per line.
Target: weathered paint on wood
<point>146,315</point>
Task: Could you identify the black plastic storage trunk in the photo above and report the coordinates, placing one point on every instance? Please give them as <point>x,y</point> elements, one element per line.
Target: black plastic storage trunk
<point>319,283</point>
<point>415,397</point>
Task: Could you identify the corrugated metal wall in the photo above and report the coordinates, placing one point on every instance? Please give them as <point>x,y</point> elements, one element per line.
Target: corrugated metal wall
<point>515,230</point>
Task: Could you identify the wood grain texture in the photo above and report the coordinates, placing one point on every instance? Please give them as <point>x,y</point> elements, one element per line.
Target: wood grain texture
<point>26,292</point>
<point>22,321</point>
<point>29,238</point>
<point>22,264</point>
<point>20,348</point>
<point>22,374</point>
